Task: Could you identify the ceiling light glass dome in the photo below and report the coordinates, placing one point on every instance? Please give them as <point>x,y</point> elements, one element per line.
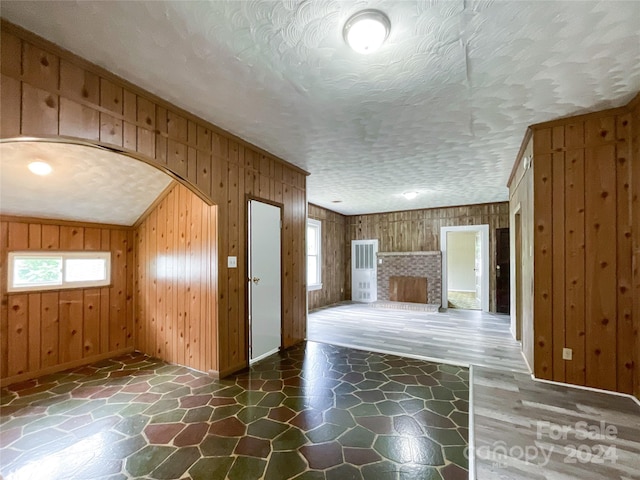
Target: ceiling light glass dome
<point>367,30</point>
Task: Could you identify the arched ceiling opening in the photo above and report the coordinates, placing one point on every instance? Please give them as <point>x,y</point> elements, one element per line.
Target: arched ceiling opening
<point>86,184</point>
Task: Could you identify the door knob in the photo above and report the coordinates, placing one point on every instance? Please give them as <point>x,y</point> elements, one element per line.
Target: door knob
<point>256,280</point>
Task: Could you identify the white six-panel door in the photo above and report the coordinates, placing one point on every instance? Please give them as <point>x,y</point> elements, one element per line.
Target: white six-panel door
<point>265,310</point>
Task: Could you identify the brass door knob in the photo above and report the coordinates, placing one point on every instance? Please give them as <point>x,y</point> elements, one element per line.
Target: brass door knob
<point>256,280</point>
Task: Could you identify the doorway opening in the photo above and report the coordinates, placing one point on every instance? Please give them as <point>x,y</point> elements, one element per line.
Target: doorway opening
<point>518,275</point>
<point>465,267</point>
<point>503,271</point>
<point>264,280</point>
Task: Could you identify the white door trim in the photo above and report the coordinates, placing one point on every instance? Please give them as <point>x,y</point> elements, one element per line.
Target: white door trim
<point>484,235</point>
<point>372,279</point>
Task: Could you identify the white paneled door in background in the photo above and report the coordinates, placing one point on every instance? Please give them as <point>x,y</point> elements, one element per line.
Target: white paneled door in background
<point>364,286</point>
<point>265,310</point>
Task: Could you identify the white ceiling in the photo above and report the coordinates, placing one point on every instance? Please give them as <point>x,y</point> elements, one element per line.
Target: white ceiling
<point>87,184</point>
<point>441,108</point>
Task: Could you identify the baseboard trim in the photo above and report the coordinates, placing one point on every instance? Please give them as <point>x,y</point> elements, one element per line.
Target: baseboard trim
<point>222,373</point>
<point>583,387</point>
<point>471,447</point>
<point>23,377</point>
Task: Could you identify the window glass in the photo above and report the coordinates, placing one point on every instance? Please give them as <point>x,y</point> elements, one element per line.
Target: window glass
<point>34,270</point>
<point>314,254</point>
<point>85,269</point>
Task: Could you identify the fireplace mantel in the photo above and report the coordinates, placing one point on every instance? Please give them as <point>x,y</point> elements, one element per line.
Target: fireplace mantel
<point>408,254</point>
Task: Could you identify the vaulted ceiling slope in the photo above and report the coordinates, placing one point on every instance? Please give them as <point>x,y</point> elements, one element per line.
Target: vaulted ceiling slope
<point>440,109</point>
<point>86,184</point>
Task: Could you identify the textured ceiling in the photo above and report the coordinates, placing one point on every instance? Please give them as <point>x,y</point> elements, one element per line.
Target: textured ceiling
<point>440,109</point>
<point>87,184</point>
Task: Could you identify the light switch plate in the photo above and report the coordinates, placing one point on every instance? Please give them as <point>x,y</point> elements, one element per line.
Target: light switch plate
<point>232,262</point>
<point>567,354</point>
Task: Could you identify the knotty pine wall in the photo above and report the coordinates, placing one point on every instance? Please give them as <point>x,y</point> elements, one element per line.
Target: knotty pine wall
<point>634,108</point>
<point>175,281</point>
<point>43,332</point>
<point>583,249</point>
<point>335,267</point>
<point>47,92</point>
<point>419,230</point>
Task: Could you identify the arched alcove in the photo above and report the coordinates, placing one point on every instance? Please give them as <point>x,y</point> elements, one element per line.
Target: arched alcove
<point>161,241</point>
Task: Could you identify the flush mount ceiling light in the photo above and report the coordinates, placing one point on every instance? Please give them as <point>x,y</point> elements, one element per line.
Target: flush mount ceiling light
<point>366,30</point>
<point>410,195</point>
<point>40,168</point>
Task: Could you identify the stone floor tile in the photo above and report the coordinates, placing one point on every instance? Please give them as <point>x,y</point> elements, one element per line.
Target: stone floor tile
<point>382,471</point>
<point>357,437</point>
<point>214,446</point>
<point>344,472</point>
<point>360,456</point>
<point>253,447</point>
<point>191,435</point>
<point>325,433</point>
<point>265,428</point>
<point>334,414</point>
<point>281,414</point>
<point>198,414</point>
<point>322,456</point>
<point>422,472</point>
<point>146,460</point>
<point>192,401</point>
<point>284,465</point>
<point>454,472</point>
<point>307,420</point>
<point>245,468</point>
<point>177,463</point>
<point>228,427</point>
<point>292,439</point>
<point>210,468</point>
<point>163,433</point>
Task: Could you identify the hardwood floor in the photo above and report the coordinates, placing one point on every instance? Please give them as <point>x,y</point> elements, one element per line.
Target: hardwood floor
<point>526,429</point>
<point>458,337</point>
<point>521,428</point>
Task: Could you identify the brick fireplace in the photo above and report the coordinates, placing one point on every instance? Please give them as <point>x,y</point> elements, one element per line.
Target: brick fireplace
<point>410,264</point>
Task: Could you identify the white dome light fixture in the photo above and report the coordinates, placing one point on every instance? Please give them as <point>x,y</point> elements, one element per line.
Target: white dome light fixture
<point>40,168</point>
<point>366,31</point>
<point>410,195</point>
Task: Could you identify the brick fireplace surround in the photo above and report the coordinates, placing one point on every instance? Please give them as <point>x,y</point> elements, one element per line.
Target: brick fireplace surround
<point>411,264</point>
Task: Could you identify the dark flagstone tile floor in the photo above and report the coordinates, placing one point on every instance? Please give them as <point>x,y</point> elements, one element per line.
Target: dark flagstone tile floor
<point>314,412</point>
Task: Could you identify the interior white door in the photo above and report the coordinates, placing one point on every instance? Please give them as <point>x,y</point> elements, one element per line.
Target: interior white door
<point>364,286</point>
<point>265,309</point>
<point>478,266</point>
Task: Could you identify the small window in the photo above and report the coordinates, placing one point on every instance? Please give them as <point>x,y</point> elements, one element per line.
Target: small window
<point>30,271</point>
<point>314,255</point>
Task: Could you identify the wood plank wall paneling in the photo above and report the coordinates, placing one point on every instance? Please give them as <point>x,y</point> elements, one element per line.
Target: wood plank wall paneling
<point>48,331</point>
<point>174,248</point>
<point>49,92</point>
<point>542,259</point>
<point>635,236</point>
<point>419,230</point>
<point>335,267</point>
<point>583,249</point>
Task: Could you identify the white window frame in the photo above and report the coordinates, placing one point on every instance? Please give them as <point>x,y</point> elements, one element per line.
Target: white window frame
<point>316,224</point>
<point>63,285</point>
